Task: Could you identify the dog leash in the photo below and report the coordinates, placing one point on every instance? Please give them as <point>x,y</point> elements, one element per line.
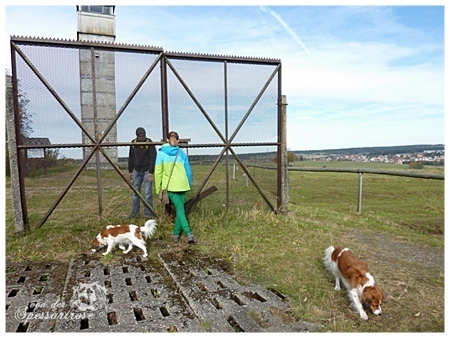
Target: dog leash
<point>173,166</point>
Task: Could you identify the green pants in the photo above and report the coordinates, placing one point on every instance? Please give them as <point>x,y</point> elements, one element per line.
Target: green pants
<point>181,222</point>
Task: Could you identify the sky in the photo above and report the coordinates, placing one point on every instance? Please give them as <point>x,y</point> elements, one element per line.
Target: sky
<point>354,75</point>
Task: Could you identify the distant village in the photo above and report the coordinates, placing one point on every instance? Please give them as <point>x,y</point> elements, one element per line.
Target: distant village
<point>427,157</point>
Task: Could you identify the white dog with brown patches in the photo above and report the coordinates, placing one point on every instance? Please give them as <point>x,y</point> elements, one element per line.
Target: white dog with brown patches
<point>355,275</point>
<point>125,234</point>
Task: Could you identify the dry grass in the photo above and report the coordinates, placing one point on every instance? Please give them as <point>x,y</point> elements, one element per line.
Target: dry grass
<point>399,235</point>
<point>286,253</point>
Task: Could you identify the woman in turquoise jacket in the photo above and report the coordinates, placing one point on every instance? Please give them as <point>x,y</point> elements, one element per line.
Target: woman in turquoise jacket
<point>180,182</point>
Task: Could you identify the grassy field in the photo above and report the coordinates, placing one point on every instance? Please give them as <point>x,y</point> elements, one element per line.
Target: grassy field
<point>400,234</point>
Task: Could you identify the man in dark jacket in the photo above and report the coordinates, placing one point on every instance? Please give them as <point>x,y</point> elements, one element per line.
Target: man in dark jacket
<point>141,166</point>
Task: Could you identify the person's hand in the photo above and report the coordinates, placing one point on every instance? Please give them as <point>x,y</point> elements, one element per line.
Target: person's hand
<point>131,176</point>
<point>150,177</point>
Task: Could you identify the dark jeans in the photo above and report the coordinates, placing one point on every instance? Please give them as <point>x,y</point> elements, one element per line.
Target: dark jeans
<point>138,179</point>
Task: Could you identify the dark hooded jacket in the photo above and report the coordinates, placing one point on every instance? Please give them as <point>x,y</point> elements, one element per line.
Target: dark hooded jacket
<point>142,157</point>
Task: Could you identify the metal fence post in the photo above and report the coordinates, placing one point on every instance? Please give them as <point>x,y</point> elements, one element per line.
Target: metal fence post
<point>360,186</point>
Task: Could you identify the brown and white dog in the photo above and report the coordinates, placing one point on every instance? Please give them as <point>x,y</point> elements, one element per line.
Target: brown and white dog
<point>355,275</point>
<point>125,234</point>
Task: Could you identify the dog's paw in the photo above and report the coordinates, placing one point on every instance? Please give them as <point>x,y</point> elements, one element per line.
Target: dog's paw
<point>145,255</point>
<point>364,315</point>
<point>337,288</point>
<point>105,253</point>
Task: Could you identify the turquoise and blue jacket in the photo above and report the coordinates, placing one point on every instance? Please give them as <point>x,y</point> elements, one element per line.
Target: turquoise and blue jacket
<point>181,179</point>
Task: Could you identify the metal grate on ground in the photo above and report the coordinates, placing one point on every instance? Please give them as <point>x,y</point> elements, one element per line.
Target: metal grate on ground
<point>32,289</point>
<point>171,293</point>
<point>224,304</point>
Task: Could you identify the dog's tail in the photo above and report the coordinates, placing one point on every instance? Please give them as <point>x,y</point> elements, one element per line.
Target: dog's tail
<point>327,261</point>
<point>149,228</point>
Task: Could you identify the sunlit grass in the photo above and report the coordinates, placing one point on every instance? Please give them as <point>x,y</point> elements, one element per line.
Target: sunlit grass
<point>399,216</point>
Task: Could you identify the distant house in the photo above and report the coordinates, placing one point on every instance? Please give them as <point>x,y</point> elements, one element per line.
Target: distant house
<point>38,155</point>
<point>185,141</point>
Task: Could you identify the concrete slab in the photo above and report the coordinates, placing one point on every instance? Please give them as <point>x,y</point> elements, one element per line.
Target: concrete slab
<point>223,304</point>
<point>176,292</point>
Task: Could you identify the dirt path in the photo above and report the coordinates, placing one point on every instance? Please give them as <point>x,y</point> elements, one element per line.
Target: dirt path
<point>401,250</point>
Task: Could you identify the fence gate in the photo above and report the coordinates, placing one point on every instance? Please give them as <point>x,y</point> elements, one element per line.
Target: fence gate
<point>87,99</point>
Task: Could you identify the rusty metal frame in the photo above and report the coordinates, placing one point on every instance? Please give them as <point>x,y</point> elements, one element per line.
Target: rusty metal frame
<point>97,145</point>
<point>228,140</point>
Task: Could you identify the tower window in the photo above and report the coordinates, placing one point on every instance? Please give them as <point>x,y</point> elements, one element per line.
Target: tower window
<point>109,10</point>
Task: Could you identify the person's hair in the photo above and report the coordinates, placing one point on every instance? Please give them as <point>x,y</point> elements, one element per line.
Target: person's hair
<point>140,131</point>
<point>173,134</point>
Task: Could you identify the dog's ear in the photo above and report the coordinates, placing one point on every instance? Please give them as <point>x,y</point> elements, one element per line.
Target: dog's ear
<point>380,294</point>
<point>366,302</point>
<point>376,294</point>
<point>371,298</point>
<point>367,298</point>
<point>95,244</point>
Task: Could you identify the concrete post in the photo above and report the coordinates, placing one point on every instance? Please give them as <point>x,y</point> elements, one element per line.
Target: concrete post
<point>360,189</point>
<point>21,225</point>
<point>284,198</point>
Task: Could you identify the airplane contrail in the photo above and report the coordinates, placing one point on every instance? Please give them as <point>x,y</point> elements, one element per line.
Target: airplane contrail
<point>286,27</point>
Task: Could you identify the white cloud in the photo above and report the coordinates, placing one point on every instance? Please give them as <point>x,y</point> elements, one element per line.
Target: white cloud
<point>294,36</point>
<point>361,66</point>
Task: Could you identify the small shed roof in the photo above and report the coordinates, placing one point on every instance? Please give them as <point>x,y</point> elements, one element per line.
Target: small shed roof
<point>36,141</point>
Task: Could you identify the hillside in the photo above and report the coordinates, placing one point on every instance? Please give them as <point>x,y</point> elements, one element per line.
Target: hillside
<point>367,151</point>
<point>375,150</point>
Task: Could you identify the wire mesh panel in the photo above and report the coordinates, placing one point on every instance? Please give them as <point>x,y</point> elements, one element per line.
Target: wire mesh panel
<point>144,109</point>
<point>86,99</point>
<point>232,106</point>
<point>246,82</point>
<point>205,82</point>
<point>46,116</point>
<point>203,114</point>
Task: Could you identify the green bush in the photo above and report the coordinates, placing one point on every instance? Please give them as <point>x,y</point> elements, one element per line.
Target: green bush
<point>416,165</point>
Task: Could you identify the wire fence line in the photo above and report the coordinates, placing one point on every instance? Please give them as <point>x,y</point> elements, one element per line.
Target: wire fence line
<point>360,171</point>
<point>374,171</point>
